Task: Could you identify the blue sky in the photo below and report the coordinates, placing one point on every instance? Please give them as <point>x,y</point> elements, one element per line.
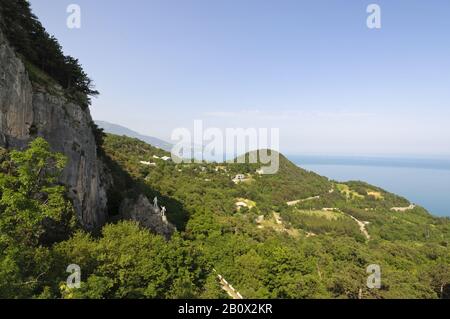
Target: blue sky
<point>311,68</point>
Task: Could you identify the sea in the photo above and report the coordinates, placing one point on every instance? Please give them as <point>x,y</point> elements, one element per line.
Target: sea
<point>424,182</point>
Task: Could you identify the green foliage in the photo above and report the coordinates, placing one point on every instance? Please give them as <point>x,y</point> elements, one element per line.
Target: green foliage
<point>125,262</point>
<point>341,225</point>
<point>129,262</point>
<point>268,259</point>
<point>30,196</point>
<point>313,249</point>
<point>270,262</point>
<point>33,212</point>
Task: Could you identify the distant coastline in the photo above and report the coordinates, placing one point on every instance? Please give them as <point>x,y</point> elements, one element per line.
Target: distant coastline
<point>441,164</point>
<point>423,182</point>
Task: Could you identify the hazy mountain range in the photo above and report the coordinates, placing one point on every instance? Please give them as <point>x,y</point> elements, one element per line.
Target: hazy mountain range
<point>122,130</point>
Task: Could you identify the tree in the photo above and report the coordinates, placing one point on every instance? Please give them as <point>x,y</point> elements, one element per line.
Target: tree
<point>130,262</point>
<point>30,196</point>
<point>440,279</point>
<point>30,202</point>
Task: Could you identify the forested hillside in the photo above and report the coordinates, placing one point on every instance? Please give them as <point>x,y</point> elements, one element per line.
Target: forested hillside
<point>311,247</point>
<point>293,234</point>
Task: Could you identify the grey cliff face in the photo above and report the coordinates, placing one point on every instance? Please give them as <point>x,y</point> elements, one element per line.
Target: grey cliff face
<point>27,112</point>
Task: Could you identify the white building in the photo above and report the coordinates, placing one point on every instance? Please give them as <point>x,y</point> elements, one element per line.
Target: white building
<point>147,163</point>
<point>239,178</point>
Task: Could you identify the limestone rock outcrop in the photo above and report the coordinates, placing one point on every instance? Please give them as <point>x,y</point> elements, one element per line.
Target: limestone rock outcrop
<point>27,112</point>
<point>147,215</point>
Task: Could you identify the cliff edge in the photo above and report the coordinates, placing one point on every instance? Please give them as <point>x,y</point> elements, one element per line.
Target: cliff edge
<point>27,111</point>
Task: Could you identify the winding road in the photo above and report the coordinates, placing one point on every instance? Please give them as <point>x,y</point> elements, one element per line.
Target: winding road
<point>403,209</point>
<point>232,292</point>
<point>362,227</point>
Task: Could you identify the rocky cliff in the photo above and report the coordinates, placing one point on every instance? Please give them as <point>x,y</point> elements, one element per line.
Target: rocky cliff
<point>27,111</point>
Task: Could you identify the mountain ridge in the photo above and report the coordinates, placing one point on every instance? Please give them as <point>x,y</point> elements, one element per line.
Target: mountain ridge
<point>122,130</point>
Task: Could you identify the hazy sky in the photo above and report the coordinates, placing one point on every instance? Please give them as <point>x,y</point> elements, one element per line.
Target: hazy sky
<point>311,68</point>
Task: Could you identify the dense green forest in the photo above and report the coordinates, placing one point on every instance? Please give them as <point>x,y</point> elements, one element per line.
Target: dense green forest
<point>39,238</point>
<point>41,52</point>
<point>268,249</point>
<point>318,249</point>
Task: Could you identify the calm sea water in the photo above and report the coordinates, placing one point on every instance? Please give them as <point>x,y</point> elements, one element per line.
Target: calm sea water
<point>423,182</point>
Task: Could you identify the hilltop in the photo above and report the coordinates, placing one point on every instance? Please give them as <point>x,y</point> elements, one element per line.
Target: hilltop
<point>291,189</point>
<point>308,219</point>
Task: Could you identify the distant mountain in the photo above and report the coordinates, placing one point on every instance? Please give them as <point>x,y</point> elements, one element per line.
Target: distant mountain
<point>122,130</point>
